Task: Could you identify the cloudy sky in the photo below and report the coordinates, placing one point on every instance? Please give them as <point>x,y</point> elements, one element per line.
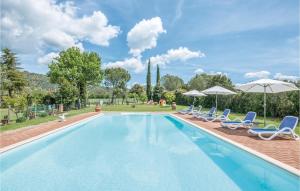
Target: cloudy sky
<point>245,40</point>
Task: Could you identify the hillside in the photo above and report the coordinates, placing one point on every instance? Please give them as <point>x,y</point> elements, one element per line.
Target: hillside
<point>38,81</point>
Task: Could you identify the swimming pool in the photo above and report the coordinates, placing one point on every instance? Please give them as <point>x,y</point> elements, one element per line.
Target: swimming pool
<point>137,152</point>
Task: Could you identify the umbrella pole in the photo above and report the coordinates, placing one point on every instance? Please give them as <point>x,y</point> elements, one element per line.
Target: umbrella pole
<point>265,105</point>
<point>216,103</point>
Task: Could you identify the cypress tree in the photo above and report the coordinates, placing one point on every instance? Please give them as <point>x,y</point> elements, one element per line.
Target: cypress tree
<point>148,81</point>
<point>157,92</point>
<point>157,76</point>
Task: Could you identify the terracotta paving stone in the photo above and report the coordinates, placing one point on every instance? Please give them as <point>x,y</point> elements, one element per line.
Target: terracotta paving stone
<point>284,150</point>
<point>11,137</point>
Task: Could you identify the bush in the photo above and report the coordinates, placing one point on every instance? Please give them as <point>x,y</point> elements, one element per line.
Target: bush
<point>169,96</point>
<point>21,119</point>
<point>44,114</point>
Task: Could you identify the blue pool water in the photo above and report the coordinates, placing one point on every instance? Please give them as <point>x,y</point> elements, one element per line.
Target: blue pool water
<point>137,152</point>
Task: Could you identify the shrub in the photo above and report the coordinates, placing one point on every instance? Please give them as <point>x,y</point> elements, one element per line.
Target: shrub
<point>44,114</point>
<point>169,96</point>
<point>21,119</point>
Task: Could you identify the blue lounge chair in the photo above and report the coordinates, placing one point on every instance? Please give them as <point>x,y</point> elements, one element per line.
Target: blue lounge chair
<point>196,111</point>
<point>210,113</point>
<point>188,110</point>
<point>286,127</point>
<point>223,117</point>
<point>237,123</point>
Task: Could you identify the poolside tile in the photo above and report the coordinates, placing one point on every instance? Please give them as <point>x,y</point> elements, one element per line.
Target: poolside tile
<point>284,150</point>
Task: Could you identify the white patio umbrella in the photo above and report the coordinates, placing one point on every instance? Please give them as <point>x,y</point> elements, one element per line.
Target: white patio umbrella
<point>194,93</point>
<point>218,90</point>
<point>267,86</point>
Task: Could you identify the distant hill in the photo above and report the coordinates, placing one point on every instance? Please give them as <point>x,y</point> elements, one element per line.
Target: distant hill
<point>38,81</point>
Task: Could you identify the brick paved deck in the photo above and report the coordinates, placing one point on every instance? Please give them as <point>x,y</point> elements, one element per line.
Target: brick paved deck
<point>15,136</point>
<point>284,150</point>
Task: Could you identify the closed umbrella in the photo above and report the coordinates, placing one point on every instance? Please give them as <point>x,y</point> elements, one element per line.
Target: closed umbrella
<point>218,90</point>
<point>194,93</point>
<point>267,86</point>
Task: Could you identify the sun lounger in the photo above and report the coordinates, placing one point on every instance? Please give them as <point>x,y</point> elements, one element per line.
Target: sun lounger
<point>286,127</point>
<point>237,123</point>
<point>195,111</point>
<point>210,113</point>
<point>188,110</point>
<point>223,117</point>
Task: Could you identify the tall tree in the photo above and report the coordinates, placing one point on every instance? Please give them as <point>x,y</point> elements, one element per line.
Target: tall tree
<point>74,70</point>
<point>12,80</point>
<point>158,90</point>
<point>148,85</point>
<point>171,82</point>
<point>116,78</point>
<point>157,76</point>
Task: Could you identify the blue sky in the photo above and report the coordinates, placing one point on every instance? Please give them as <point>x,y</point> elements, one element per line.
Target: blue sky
<point>245,40</point>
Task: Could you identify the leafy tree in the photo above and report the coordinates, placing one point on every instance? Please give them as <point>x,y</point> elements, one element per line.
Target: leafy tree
<point>13,81</point>
<point>169,96</point>
<point>139,92</point>
<point>137,89</point>
<point>219,80</point>
<point>198,82</point>
<point>148,85</point>
<point>171,83</point>
<point>116,78</point>
<point>74,71</point>
<point>36,96</point>
<point>143,97</point>
<point>99,92</point>
<point>18,103</point>
<point>157,93</point>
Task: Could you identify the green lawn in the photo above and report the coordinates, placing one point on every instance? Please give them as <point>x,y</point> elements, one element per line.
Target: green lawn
<point>38,120</point>
<point>122,108</point>
<point>140,108</point>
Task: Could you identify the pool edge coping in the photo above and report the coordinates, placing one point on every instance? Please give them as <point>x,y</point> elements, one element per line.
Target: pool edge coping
<point>40,136</point>
<point>265,157</point>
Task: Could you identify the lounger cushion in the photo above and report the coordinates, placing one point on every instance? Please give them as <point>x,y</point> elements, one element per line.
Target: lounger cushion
<point>235,122</point>
<point>264,131</point>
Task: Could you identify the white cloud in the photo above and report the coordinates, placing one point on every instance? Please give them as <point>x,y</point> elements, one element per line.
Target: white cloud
<point>280,76</point>
<point>133,63</point>
<point>199,71</point>
<point>213,73</point>
<point>60,39</point>
<point>47,59</point>
<point>31,26</point>
<point>181,53</point>
<point>259,74</point>
<point>144,35</point>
